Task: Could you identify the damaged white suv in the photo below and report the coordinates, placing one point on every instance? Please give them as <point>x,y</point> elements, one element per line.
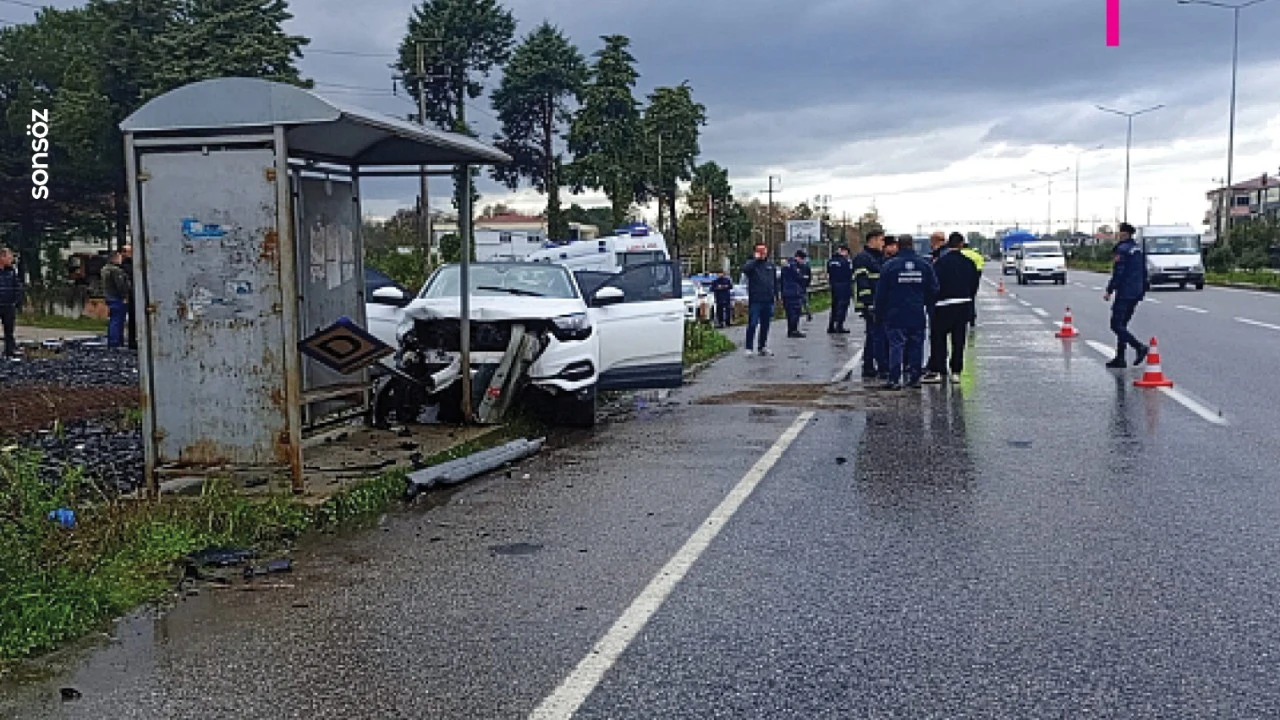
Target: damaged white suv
<point>627,332</point>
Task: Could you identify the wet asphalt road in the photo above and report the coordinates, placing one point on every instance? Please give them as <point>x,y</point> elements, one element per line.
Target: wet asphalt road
<point>1044,540</point>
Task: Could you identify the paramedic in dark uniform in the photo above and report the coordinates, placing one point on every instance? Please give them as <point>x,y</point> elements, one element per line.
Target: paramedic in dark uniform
<point>722,287</point>
<point>907,288</point>
<point>1129,285</point>
<point>793,292</point>
<point>840,277</point>
<point>866,274</point>
<point>806,272</point>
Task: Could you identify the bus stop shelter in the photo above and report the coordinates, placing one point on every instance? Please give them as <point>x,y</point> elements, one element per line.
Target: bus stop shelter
<point>244,199</point>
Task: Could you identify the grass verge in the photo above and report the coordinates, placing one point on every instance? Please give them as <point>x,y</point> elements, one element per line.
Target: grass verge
<point>702,342</point>
<point>57,583</point>
<point>1262,279</point>
<point>57,322</point>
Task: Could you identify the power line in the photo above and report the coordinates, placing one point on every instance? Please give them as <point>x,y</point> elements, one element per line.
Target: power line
<point>327,51</point>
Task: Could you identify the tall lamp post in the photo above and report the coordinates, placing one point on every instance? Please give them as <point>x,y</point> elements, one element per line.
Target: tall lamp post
<point>1075,223</point>
<point>1049,176</point>
<point>1235,62</point>
<point>1128,146</point>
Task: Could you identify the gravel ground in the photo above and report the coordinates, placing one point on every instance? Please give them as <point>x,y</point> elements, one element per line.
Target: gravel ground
<point>107,453</point>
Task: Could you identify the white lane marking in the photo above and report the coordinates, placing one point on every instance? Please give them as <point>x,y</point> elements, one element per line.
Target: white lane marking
<point>1259,293</point>
<point>1173,393</point>
<point>1154,301</point>
<point>1256,323</point>
<point>847,370</point>
<point>1189,308</point>
<point>578,686</point>
<point>1195,407</point>
<point>1040,312</point>
<point>1079,284</point>
<point>1099,288</point>
<point>1024,303</point>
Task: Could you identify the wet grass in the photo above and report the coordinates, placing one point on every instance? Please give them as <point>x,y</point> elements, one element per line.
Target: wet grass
<point>59,583</point>
<point>58,322</point>
<point>702,342</point>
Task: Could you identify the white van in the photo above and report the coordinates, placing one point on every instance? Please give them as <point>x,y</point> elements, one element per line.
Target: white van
<point>1041,260</point>
<point>635,246</point>
<point>1173,255</point>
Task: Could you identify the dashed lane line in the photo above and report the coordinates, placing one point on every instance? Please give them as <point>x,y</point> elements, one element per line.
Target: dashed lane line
<point>1189,308</point>
<point>578,686</point>
<point>847,370</point>
<point>1257,323</point>
<point>1040,312</point>
<point>1154,301</point>
<point>1173,393</point>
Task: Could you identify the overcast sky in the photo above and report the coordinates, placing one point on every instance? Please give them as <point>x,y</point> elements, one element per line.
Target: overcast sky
<point>934,108</point>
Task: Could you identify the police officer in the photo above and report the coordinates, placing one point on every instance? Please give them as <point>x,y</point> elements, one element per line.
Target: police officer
<point>1129,285</point>
<point>793,292</point>
<point>722,287</point>
<point>840,276</point>
<point>11,297</point>
<point>866,274</point>
<point>907,287</point>
<point>806,273</point>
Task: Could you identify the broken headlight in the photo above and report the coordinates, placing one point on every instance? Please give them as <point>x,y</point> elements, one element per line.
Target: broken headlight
<point>571,327</point>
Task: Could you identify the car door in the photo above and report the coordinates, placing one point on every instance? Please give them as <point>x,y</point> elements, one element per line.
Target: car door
<point>642,338</point>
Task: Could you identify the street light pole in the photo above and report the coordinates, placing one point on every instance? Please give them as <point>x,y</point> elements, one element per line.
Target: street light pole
<point>1231,123</point>
<point>1128,144</point>
<point>1049,176</point>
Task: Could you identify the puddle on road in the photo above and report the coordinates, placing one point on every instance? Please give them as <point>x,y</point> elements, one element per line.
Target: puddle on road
<point>798,395</point>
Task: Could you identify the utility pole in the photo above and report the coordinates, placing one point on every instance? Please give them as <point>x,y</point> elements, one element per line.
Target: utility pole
<point>1048,225</point>
<point>1128,146</point>
<point>1149,201</point>
<point>424,225</point>
<point>711,230</point>
<point>769,223</point>
<point>661,229</point>
<point>1075,225</point>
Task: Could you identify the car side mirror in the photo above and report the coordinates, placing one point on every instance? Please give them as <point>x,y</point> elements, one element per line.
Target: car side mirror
<point>607,296</point>
<point>389,295</point>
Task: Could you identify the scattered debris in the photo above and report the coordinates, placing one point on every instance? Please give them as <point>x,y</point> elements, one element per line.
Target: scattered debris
<point>64,517</point>
<point>841,460</point>
<point>221,557</point>
<point>462,469</point>
<point>70,694</point>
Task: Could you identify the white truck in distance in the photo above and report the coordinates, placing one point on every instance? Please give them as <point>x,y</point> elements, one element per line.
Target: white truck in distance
<point>1173,255</point>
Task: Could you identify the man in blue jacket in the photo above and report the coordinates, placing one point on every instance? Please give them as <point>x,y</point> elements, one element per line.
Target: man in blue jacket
<point>866,276</point>
<point>840,277</point>
<point>907,287</point>
<point>11,297</point>
<point>722,288</point>
<point>1129,285</point>
<point>794,290</point>
<point>762,291</point>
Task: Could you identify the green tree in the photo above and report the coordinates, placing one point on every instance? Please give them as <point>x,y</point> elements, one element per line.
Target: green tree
<point>671,126</point>
<point>601,217</point>
<point>460,42</point>
<point>709,190</point>
<point>226,38</point>
<point>605,131</point>
<point>545,75</point>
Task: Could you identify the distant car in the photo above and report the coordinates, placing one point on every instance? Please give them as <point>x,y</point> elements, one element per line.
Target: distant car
<point>696,300</point>
<point>1040,261</point>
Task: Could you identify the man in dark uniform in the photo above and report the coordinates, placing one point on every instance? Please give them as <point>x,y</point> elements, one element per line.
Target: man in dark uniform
<point>840,277</point>
<point>11,297</point>
<point>131,320</point>
<point>1129,285</point>
<point>866,274</point>
<point>793,292</point>
<point>722,287</point>
<point>907,287</point>
<point>958,281</point>
<point>806,273</point>
<point>762,291</point>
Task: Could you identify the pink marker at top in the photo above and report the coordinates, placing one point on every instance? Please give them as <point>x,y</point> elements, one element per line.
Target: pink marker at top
<point>1113,23</point>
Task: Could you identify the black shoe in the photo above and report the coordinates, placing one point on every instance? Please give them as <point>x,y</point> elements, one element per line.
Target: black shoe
<point>872,376</point>
<point>914,384</point>
<point>843,330</point>
<point>1142,355</point>
<point>832,331</point>
<point>891,386</point>
<point>1117,364</point>
<point>796,335</point>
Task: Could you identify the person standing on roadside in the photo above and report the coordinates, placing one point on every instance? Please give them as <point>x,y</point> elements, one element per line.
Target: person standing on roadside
<point>762,292</point>
<point>131,320</point>
<point>11,299</point>
<point>794,290</point>
<point>116,288</point>
<point>1129,285</point>
<point>722,288</point>
<point>840,277</point>
<point>907,287</point>
<point>978,262</point>
<point>866,274</point>
<point>937,246</point>
<point>806,274</point>
<point>957,286</point>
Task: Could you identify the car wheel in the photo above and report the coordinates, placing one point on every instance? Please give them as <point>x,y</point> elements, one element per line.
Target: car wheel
<point>1199,286</point>
<point>577,409</point>
<point>1182,285</point>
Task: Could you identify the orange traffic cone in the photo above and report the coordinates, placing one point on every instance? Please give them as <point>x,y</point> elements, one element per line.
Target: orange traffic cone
<point>1000,290</point>
<point>1068,331</point>
<point>1153,377</point>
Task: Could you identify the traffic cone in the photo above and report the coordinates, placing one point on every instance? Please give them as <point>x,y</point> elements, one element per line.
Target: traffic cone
<point>1000,290</point>
<point>1153,377</point>
<point>1068,331</point>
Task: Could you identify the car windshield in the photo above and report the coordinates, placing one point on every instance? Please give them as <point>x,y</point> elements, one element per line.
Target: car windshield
<point>689,289</point>
<point>1180,245</point>
<point>504,279</point>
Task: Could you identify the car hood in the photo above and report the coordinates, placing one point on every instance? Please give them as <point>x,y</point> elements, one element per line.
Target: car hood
<point>494,308</point>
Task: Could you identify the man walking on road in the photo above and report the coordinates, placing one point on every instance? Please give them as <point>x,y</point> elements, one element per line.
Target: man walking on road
<point>1129,285</point>
<point>116,289</point>
<point>794,291</point>
<point>762,291</point>
<point>907,287</point>
<point>11,297</point>
<point>958,281</point>
<point>722,287</point>
<point>866,275</point>
<point>840,277</point>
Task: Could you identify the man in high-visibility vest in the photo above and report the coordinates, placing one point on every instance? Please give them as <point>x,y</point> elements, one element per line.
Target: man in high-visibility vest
<point>976,257</point>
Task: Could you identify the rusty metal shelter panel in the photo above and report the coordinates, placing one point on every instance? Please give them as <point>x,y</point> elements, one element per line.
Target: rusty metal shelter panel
<point>331,273</point>
<point>216,337</point>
